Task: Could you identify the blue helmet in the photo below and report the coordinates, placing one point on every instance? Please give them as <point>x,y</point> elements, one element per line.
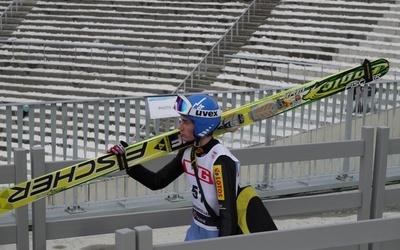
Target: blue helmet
<point>202,110</point>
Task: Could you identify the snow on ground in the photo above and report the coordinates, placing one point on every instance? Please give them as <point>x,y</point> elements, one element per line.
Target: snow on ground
<point>177,234</point>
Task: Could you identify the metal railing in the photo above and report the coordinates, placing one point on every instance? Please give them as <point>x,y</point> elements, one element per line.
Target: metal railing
<point>107,54</point>
<point>215,50</point>
<point>263,67</point>
<point>13,6</point>
<point>368,199</point>
<point>77,130</point>
<point>84,128</point>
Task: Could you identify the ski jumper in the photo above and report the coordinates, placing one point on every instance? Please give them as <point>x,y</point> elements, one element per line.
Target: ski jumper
<point>211,157</point>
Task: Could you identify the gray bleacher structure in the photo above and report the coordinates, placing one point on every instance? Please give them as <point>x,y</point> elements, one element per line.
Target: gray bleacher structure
<point>43,61</point>
<point>181,45</point>
<point>57,58</point>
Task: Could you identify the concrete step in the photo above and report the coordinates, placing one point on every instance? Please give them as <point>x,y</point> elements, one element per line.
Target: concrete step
<point>307,32</point>
<point>28,67</point>
<point>133,12</point>
<point>72,88</point>
<point>145,21</point>
<point>174,36</point>
<point>154,6</point>
<point>331,10</point>
<point>130,40</point>
<point>65,62</point>
<point>148,27</point>
<point>80,78</point>
<point>345,20</point>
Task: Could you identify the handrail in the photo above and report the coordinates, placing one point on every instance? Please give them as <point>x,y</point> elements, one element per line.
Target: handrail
<point>264,58</point>
<point>8,9</point>
<point>173,215</point>
<point>125,49</point>
<point>92,45</point>
<point>267,59</point>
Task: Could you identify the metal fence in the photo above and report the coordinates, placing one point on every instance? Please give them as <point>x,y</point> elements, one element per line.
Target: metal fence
<point>301,71</point>
<point>80,129</point>
<point>9,11</point>
<point>73,130</point>
<point>368,200</point>
<point>106,54</point>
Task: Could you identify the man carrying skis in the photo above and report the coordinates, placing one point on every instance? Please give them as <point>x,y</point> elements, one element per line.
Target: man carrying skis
<point>210,169</point>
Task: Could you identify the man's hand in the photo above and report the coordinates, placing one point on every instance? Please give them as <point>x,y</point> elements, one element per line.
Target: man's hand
<point>118,149</point>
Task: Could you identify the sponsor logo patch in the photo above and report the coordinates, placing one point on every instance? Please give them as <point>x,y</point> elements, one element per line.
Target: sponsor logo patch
<point>219,182</point>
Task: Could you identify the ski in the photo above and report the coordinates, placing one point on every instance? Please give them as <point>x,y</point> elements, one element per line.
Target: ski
<point>27,192</point>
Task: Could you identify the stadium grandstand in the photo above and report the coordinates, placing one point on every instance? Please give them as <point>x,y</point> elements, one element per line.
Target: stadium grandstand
<point>74,50</point>
<point>53,50</point>
<point>75,77</point>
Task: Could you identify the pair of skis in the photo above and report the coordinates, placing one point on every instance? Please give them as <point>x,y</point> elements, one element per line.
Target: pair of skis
<point>27,192</point>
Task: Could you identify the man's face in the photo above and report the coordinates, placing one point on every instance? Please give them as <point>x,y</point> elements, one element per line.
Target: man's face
<point>186,128</point>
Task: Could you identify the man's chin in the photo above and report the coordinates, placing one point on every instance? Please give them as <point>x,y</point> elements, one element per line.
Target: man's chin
<point>186,140</point>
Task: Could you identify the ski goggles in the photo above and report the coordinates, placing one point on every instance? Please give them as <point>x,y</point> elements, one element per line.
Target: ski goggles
<point>184,107</point>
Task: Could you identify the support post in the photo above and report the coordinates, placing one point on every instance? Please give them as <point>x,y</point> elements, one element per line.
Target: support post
<point>21,213</point>
<point>144,238</point>
<point>366,170</point>
<point>380,169</point>
<point>125,239</point>
<point>348,127</point>
<point>365,179</point>
<point>379,181</point>
<point>39,206</point>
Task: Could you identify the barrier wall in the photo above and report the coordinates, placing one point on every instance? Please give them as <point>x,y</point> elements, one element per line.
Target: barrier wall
<point>369,232</point>
<point>366,200</point>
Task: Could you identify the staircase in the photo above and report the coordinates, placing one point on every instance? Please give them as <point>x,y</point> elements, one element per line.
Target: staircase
<point>331,33</point>
<point>261,12</point>
<point>14,12</point>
